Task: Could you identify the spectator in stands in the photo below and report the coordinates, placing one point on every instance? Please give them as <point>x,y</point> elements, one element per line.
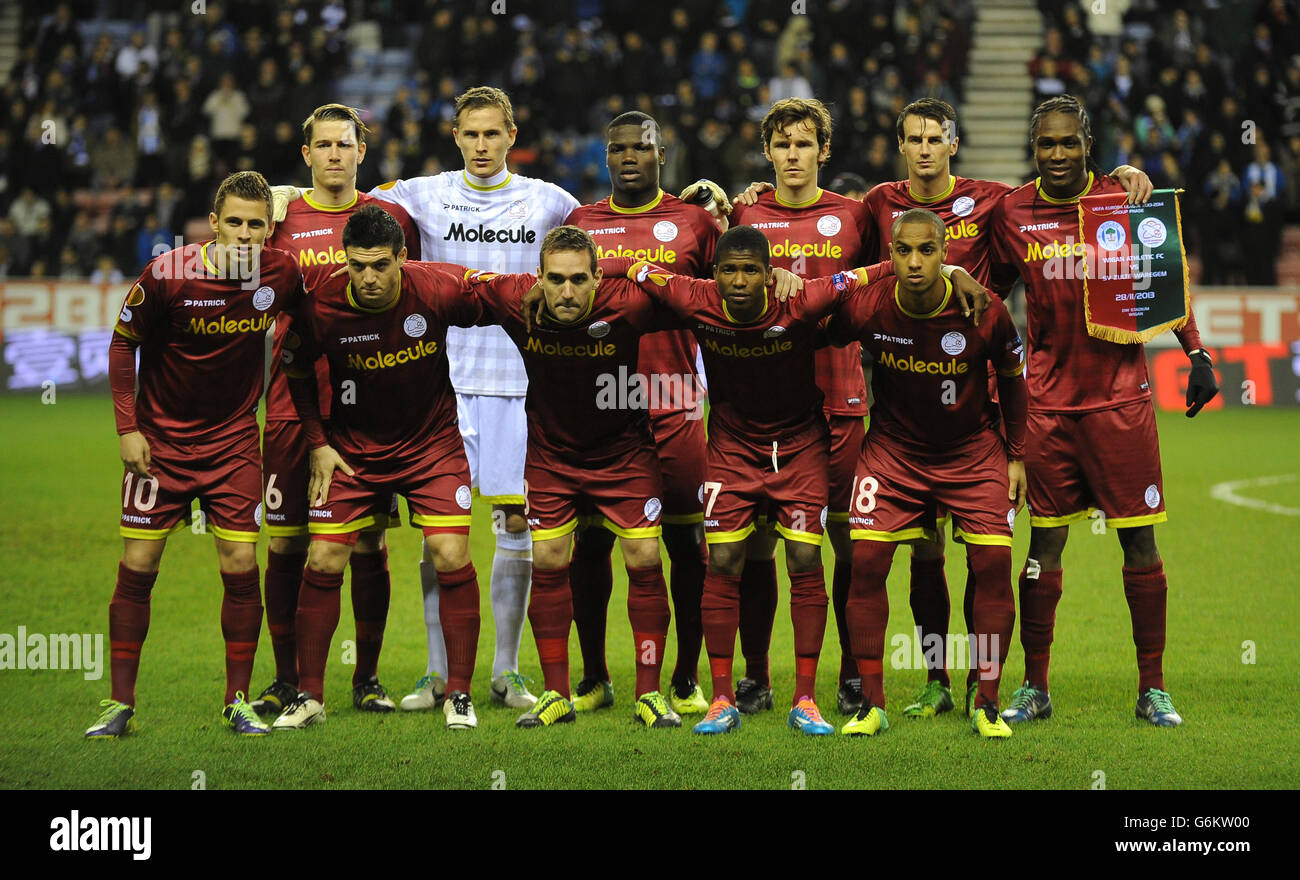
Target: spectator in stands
<point>226,108</point>
<point>83,239</point>
<point>135,53</point>
<point>708,69</point>
<point>149,140</point>
<point>69,265</point>
<point>1220,251</point>
<point>27,211</point>
<point>57,31</point>
<point>106,272</point>
<point>113,160</point>
<point>1263,189</point>
<point>790,84</point>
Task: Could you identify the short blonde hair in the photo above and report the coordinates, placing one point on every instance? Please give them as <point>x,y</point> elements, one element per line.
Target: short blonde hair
<point>486,96</point>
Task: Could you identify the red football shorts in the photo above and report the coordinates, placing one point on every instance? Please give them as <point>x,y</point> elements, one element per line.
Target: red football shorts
<point>680,443</point>
<point>1107,460</point>
<point>624,494</point>
<point>847,434</point>
<point>436,488</point>
<point>899,491</point>
<point>226,477</point>
<point>285,474</point>
<point>785,480</point>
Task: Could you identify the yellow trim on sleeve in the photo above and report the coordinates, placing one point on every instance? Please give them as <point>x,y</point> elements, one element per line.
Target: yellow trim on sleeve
<point>632,534</point>
<point>1011,374</point>
<point>1051,522</point>
<point>728,537</point>
<point>1129,522</point>
<point>803,537</point>
<point>446,522</point>
<point>365,523</point>
<point>557,532</point>
<point>913,534</point>
<point>118,328</point>
<point>981,540</point>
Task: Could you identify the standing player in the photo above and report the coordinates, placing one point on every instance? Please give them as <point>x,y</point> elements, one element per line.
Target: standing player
<point>934,444</point>
<point>392,431</point>
<point>641,221</point>
<point>816,234</point>
<point>928,139</point>
<point>590,461</point>
<point>334,144</point>
<point>1092,429</point>
<point>487,217</point>
<point>198,317</point>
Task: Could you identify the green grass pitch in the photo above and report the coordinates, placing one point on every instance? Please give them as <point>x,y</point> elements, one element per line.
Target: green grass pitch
<point>1232,575</point>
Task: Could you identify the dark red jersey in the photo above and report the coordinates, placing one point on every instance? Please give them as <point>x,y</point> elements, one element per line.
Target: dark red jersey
<point>762,379</point>
<point>1069,371</point>
<point>966,208</point>
<point>585,403</point>
<point>202,343</point>
<point>392,400</point>
<point>313,234</point>
<point>667,232</point>
<point>815,240</point>
<point>930,376</point>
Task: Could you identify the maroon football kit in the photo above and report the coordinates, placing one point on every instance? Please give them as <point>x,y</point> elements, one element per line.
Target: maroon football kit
<point>826,235</point>
<point>1092,433</point>
<point>393,411</point>
<point>313,234</point>
<point>934,444</point>
<point>679,237</point>
<point>201,347</point>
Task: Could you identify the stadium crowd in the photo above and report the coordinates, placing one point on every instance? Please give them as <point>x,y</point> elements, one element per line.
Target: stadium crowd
<point>123,120</point>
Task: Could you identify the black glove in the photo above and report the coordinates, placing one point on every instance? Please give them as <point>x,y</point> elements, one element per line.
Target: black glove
<point>1201,384</point>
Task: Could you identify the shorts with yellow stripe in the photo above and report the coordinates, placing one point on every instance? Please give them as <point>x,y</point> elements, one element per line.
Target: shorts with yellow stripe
<point>901,490</point>
<point>225,476</point>
<point>622,493</point>
<point>436,489</point>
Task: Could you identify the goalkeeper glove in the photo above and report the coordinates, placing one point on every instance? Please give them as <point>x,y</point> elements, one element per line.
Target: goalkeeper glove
<point>1201,384</point>
<point>709,196</point>
<point>281,196</point>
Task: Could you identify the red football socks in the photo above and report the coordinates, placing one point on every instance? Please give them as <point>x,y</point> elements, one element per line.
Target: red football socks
<point>808,615</point>
<point>459,610</point>
<point>550,611</point>
<point>868,615</point>
<point>1039,594</point>
<point>283,580</point>
<point>931,610</point>
<point>687,560</point>
<point>720,612</point>
<point>318,617</point>
<point>841,577</point>
<point>757,616</point>
<point>371,590</point>
<point>591,579</point>
<point>995,615</point>
<point>241,624</point>
<point>1147,591</point>
<point>128,624</point>
<point>647,611</point>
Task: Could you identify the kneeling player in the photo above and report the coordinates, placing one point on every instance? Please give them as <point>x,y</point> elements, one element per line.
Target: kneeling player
<point>589,460</point>
<point>934,443</point>
<point>392,431</point>
<point>191,430</point>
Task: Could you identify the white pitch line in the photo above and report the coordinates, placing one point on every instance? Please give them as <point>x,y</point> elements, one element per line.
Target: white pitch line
<point>1228,492</point>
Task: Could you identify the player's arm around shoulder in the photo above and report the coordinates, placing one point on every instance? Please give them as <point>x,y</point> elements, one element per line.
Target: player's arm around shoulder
<point>682,295</point>
<point>446,290</point>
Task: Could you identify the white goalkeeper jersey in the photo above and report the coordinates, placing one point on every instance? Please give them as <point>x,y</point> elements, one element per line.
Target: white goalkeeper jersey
<point>496,224</point>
